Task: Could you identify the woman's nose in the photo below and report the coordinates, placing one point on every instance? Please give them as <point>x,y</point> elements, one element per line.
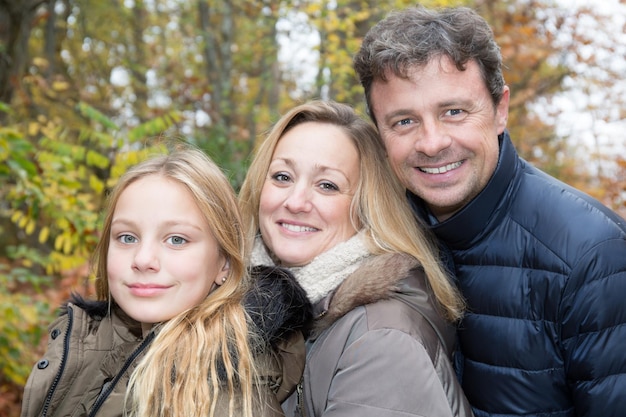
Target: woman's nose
<point>298,199</point>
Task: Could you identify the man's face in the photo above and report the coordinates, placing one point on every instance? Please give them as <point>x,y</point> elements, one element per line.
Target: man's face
<point>441,131</point>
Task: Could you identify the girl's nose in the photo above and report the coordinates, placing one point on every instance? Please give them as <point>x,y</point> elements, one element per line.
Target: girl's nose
<point>146,258</point>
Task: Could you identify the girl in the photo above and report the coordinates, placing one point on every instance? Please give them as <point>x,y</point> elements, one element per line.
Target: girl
<point>176,319</point>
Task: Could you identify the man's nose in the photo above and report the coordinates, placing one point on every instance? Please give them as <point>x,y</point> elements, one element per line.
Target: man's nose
<point>433,138</point>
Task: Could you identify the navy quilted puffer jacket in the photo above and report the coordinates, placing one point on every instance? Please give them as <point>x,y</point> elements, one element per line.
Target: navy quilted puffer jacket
<point>543,269</point>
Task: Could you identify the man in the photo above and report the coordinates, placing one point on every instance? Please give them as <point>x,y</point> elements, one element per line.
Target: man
<point>541,265</point>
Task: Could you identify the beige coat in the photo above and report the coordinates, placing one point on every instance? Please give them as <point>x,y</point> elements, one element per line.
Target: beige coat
<point>380,349</point>
<point>85,353</point>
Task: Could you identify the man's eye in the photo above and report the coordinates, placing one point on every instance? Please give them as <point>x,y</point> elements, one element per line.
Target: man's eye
<point>455,112</point>
<point>127,239</point>
<point>404,122</point>
<point>177,240</point>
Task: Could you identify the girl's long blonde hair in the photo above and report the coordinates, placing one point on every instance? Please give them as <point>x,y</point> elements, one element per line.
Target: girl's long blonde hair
<point>204,352</point>
<point>379,206</point>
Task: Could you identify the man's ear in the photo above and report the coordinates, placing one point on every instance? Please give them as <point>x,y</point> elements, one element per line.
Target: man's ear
<point>502,110</point>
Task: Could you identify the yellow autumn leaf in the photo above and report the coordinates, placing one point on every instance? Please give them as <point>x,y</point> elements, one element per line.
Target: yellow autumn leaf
<point>67,246</point>
<point>58,242</point>
<point>40,62</point>
<point>22,223</point>
<point>15,217</point>
<point>96,184</point>
<point>30,227</point>
<point>33,128</point>
<point>43,234</point>
<point>29,315</point>
<point>63,223</point>
<point>65,264</point>
<point>60,85</point>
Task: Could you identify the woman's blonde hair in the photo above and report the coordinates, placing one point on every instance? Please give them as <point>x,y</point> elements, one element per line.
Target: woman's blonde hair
<point>203,352</point>
<point>379,206</point>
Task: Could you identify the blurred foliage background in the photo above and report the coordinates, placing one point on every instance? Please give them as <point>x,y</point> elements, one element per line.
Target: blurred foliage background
<point>88,88</point>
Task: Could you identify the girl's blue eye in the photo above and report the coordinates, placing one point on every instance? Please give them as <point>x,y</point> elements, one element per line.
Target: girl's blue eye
<point>127,239</point>
<point>177,240</point>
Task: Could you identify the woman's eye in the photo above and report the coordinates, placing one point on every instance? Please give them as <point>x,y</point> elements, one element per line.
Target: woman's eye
<point>329,186</point>
<point>281,177</point>
<point>127,239</point>
<point>177,240</point>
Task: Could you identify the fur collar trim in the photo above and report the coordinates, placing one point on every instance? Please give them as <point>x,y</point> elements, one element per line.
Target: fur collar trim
<point>326,271</point>
<point>375,280</point>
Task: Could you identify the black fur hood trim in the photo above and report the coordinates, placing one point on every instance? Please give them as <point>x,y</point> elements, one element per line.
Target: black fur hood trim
<point>94,309</point>
<point>277,304</point>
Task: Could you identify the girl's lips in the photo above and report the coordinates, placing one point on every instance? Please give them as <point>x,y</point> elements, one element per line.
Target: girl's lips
<point>147,290</point>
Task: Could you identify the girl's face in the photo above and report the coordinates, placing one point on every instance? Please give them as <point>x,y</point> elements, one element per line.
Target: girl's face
<point>163,258</point>
<point>305,202</point>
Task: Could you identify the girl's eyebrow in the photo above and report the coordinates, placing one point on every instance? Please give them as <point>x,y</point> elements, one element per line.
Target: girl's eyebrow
<point>168,223</point>
<point>182,222</point>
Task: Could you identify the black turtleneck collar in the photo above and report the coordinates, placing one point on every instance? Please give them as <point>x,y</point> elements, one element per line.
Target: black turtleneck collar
<point>460,230</point>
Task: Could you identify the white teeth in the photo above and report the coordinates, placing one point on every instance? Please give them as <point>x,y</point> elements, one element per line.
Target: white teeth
<point>441,170</point>
<point>295,228</point>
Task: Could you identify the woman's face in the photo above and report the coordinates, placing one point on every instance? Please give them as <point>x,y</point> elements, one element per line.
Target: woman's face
<point>163,258</point>
<point>305,201</point>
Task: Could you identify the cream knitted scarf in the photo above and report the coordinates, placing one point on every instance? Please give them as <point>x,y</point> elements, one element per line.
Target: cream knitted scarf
<point>326,271</point>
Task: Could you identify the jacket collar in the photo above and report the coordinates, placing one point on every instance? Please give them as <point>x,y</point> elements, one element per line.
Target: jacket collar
<point>460,230</point>
<point>377,279</point>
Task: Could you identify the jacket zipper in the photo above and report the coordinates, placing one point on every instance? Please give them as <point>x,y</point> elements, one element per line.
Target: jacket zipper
<point>66,348</point>
<point>108,388</point>
<point>300,398</point>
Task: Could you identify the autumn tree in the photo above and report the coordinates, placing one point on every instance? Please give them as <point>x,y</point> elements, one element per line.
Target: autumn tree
<point>16,22</point>
<point>340,25</point>
<point>591,44</point>
<point>101,82</point>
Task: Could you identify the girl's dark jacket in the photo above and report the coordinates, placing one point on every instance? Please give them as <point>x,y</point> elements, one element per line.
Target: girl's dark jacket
<point>543,269</point>
<point>91,353</point>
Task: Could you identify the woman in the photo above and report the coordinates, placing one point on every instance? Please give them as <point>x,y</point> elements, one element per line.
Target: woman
<point>176,319</point>
<point>322,201</point>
